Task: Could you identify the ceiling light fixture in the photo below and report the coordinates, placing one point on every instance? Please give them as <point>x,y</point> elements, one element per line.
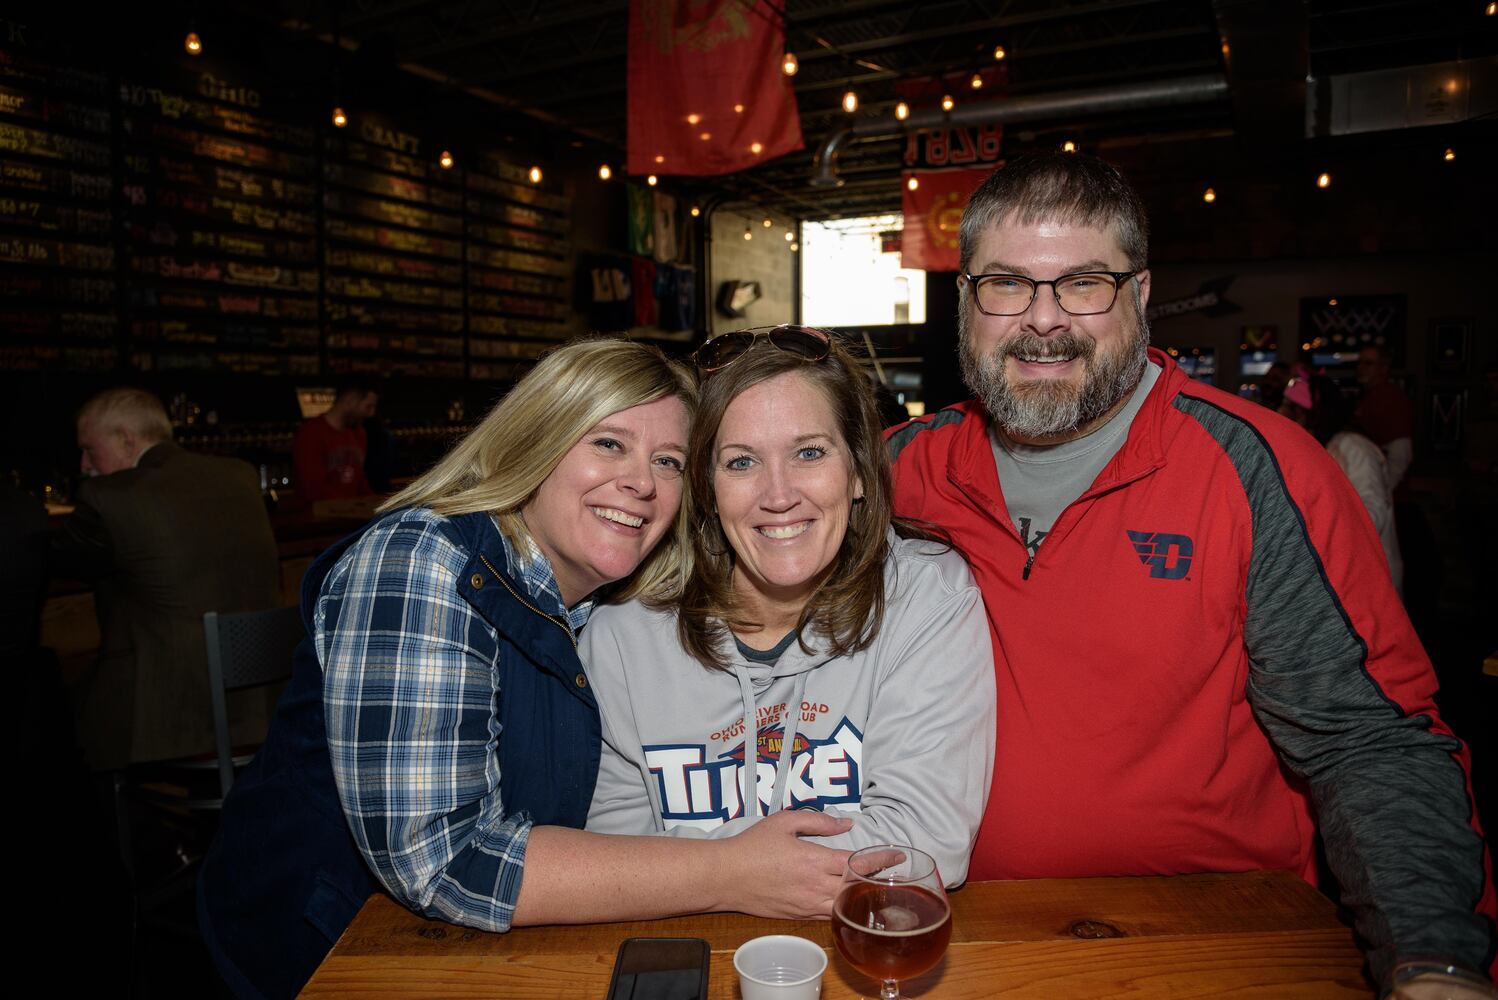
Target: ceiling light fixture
<point>913,183</point>
<point>193,44</point>
<point>1324,180</point>
<point>795,247</point>
<point>999,54</point>
<point>748,233</point>
<point>1449,155</point>
<point>947,104</point>
<point>693,118</point>
<point>789,64</point>
<point>1209,196</point>
<point>1068,146</point>
<point>790,237</point>
<point>339,118</point>
<point>850,102</point>
<point>445,161</point>
<point>605,172</point>
<point>652,180</point>
<point>535,175</point>
<point>696,211</point>
<point>976,82</point>
<point>756,148</point>
<point>902,111</point>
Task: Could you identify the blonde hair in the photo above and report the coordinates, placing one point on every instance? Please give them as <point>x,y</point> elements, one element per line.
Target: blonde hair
<point>501,464</point>
<point>127,409</point>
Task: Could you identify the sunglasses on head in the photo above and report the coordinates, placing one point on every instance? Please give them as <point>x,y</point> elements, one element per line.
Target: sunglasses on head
<point>805,342</point>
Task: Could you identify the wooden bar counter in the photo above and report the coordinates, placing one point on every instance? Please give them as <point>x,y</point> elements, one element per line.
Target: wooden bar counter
<point>1261,934</point>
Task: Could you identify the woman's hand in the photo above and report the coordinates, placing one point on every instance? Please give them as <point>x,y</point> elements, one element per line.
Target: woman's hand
<point>769,871</point>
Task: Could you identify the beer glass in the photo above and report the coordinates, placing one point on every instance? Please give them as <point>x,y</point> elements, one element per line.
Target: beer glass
<point>891,920</point>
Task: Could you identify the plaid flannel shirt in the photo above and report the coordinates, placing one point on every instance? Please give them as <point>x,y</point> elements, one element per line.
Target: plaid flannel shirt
<point>410,684</point>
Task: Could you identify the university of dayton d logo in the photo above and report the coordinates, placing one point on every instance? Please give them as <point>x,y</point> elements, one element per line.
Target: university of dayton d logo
<point>1156,549</point>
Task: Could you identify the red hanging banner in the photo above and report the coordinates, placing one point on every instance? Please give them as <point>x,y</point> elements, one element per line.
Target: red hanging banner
<point>933,214</point>
<point>706,94</point>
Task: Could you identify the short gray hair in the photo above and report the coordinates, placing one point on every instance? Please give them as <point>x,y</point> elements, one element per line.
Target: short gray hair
<point>127,409</point>
<point>1057,187</point>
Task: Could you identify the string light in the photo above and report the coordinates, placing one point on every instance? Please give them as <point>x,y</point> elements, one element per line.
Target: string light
<point>748,233</point>
<point>913,183</point>
<point>696,211</point>
<point>738,109</point>
<point>902,111</point>
<point>1331,302</point>
<point>999,53</point>
<point>756,148</point>
<point>705,136</point>
<point>652,180</point>
<point>790,237</point>
<point>339,118</point>
<point>445,161</point>
<point>1449,155</point>
<point>659,158</point>
<point>1492,9</point>
<point>1324,180</point>
<point>789,64</point>
<point>850,102</point>
<point>795,247</point>
<point>193,44</point>
<point>976,82</point>
<point>1209,196</point>
<point>605,172</point>
<point>693,118</point>
<point>1068,146</point>
<point>947,104</point>
<point>535,175</point>
<point>766,222</point>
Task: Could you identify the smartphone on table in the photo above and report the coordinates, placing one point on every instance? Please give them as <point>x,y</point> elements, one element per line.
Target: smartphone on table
<point>660,969</point>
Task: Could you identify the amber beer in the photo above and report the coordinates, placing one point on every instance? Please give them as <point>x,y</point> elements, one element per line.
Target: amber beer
<point>891,932</point>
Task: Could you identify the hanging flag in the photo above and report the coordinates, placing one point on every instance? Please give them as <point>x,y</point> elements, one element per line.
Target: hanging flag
<point>933,214</point>
<point>706,94</point>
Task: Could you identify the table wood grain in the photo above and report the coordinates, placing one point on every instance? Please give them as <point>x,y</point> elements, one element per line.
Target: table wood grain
<point>1260,934</point>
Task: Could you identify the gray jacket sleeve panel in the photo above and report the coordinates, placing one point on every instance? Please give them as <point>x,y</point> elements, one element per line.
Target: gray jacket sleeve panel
<point>929,739</point>
<point>1388,786</point>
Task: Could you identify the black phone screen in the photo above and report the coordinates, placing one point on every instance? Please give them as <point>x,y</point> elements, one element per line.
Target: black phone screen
<point>660,969</point>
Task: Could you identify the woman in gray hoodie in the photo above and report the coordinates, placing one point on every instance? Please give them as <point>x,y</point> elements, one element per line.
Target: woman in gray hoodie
<point>820,655</point>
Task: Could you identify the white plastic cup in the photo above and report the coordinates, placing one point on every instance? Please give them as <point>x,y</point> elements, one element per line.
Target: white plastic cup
<point>780,967</point>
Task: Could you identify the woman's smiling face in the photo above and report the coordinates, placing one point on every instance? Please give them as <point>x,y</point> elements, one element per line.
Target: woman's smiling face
<point>784,485</point>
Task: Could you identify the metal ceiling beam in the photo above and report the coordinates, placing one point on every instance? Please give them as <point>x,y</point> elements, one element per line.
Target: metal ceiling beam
<point>512,32</point>
<point>1131,97</point>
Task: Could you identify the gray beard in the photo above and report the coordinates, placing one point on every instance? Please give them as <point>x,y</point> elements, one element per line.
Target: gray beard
<point>1044,408</point>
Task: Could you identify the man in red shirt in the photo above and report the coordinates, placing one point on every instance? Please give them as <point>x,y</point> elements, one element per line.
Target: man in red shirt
<point>329,450</point>
<point>1196,665</point>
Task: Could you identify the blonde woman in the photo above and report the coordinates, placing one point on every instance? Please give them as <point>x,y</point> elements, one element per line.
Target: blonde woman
<point>439,738</point>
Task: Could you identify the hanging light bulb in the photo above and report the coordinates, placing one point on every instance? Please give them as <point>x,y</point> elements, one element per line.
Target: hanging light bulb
<point>1209,196</point>
<point>790,237</point>
<point>999,53</point>
<point>339,118</point>
<point>976,82</point>
<point>705,136</point>
<point>193,44</point>
<point>756,148</point>
<point>1450,154</point>
<point>913,183</point>
<point>696,211</point>
<point>535,175</point>
<point>902,111</point>
<point>1491,9</point>
<point>693,118</point>
<point>795,246</point>
<point>767,223</point>
<point>1068,147</point>
<point>789,64</point>
<point>652,180</point>
<point>850,102</point>
<point>659,158</point>
<point>445,160</point>
<point>605,172</point>
<point>1324,180</point>
<point>947,104</point>
<point>738,109</point>
<point>748,233</point>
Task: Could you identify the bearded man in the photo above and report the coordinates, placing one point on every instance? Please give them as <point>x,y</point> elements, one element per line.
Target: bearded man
<point>1200,655</point>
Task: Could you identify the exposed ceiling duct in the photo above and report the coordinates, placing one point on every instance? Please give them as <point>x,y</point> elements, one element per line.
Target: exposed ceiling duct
<point>1093,101</point>
<point>1407,97</point>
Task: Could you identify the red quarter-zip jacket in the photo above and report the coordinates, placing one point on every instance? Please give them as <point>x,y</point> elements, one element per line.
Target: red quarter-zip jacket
<point>1205,654</point>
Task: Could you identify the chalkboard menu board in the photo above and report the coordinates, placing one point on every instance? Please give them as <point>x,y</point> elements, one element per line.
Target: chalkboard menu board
<point>189,223</point>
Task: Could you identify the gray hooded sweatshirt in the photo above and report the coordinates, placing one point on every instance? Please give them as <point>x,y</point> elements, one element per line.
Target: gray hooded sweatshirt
<point>899,736</point>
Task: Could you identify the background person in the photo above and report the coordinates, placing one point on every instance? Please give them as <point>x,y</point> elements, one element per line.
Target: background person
<point>1199,670</point>
<point>1384,412</point>
<point>328,451</point>
<point>164,535</point>
<point>439,738</point>
<point>821,660</point>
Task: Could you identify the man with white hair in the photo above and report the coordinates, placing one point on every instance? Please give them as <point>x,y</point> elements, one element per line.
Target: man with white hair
<point>165,535</point>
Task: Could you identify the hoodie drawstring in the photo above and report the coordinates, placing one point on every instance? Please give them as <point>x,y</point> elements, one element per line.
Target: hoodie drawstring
<point>751,744</point>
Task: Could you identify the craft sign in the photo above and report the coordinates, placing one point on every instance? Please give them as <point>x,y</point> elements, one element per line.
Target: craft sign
<point>954,147</point>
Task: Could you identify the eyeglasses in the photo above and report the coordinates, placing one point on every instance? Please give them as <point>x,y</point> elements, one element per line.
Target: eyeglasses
<point>1084,294</point>
<point>808,343</point>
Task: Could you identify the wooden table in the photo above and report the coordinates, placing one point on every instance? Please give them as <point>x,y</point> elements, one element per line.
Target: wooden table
<point>1263,934</point>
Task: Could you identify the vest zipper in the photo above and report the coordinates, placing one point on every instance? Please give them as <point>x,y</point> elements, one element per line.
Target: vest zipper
<point>1029,561</point>
<point>551,618</point>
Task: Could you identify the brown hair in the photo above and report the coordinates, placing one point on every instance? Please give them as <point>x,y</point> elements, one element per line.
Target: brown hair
<point>848,606</point>
<point>1057,187</point>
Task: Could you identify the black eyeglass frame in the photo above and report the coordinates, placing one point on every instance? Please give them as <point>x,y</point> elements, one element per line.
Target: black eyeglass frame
<point>1119,277</point>
<point>773,335</point>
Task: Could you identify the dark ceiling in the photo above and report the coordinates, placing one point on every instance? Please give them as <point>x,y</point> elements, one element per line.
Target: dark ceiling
<point>564,62</point>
